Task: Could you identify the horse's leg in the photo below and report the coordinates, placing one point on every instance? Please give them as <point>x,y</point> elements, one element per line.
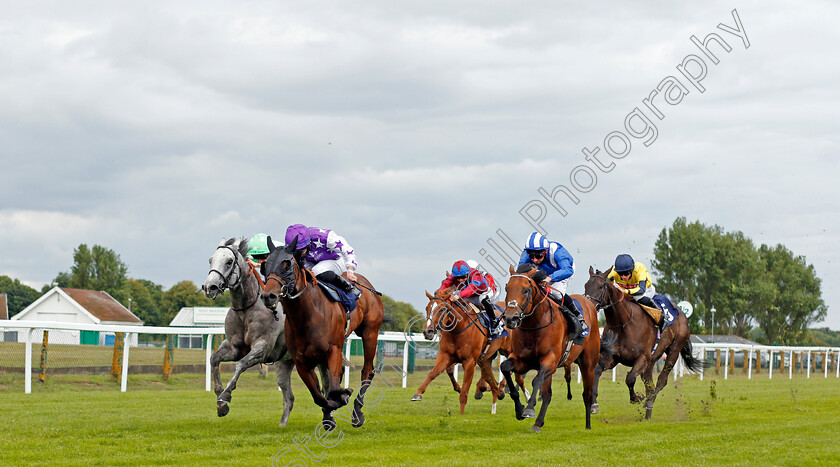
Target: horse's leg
<point>255,356</point>
<point>507,367</point>
<point>568,377</point>
<point>226,353</point>
<point>450,371</point>
<point>545,392</point>
<point>520,380</point>
<point>639,366</point>
<point>547,366</point>
<point>661,381</point>
<point>481,387</point>
<point>469,370</point>
<point>596,379</point>
<point>442,362</point>
<point>487,378</point>
<point>369,341</point>
<point>284,381</point>
<point>327,406</point>
<point>335,363</point>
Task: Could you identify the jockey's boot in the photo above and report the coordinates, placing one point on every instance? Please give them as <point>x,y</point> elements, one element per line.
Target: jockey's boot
<point>340,282</point>
<point>491,318</point>
<point>570,305</point>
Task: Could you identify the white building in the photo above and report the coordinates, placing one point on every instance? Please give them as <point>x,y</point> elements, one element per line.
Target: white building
<point>65,305</point>
<point>197,316</point>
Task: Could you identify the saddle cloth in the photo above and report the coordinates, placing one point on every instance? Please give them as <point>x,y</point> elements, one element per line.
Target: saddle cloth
<point>337,295</point>
<point>664,305</point>
<point>500,330</point>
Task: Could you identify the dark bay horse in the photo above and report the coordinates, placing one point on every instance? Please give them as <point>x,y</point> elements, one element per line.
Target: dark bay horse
<point>252,334</point>
<point>315,329</point>
<point>632,335</point>
<point>462,340</point>
<point>540,341</point>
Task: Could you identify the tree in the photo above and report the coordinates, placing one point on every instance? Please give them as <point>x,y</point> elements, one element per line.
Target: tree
<point>99,268</point>
<point>398,314</point>
<point>18,295</point>
<point>145,301</point>
<point>797,300</point>
<point>183,294</point>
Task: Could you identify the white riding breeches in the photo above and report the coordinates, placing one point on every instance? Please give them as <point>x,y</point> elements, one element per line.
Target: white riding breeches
<point>334,265</point>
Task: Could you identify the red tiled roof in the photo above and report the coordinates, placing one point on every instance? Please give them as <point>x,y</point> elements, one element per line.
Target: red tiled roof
<point>101,305</point>
<point>4,310</point>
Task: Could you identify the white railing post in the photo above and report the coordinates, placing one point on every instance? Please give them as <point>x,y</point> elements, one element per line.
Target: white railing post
<point>210,338</point>
<point>703,351</point>
<point>27,385</point>
<point>790,368</point>
<point>455,372</point>
<point>502,358</point>
<point>347,368</point>
<point>836,366</point>
<point>726,365</point>
<point>613,374</point>
<point>579,375</point>
<point>771,365</point>
<point>749,364</point>
<point>405,365</point>
<point>809,365</point>
<point>126,347</point>
<point>825,362</point>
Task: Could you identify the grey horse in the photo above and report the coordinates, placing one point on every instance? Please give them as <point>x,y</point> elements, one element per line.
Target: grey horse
<point>253,334</point>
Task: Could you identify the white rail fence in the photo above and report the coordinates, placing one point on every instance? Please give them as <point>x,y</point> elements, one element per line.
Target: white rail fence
<point>29,330</point>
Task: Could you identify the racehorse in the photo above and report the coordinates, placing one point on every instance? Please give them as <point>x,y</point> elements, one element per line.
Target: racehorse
<point>540,341</point>
<point>462,340</point>
<point>252,334</point>
<point>315,329</point>
<point>632,336</point>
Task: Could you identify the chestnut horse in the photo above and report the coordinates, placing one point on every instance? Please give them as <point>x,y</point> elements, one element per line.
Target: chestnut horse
<point>632,336</point>
<point>315,329</point>
<point>540,341</point>
<point>252,334</point>
<point>462,340</point>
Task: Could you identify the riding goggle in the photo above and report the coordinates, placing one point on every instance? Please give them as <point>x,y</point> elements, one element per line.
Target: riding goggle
<point>260,257</point>
<point>536,254</point>
<point>624,273</point>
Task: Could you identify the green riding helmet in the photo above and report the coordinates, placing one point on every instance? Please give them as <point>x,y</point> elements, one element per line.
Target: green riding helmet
<point>258,246</point>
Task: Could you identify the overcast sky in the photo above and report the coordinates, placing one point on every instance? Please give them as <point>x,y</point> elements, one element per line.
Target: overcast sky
<point>415,130</point>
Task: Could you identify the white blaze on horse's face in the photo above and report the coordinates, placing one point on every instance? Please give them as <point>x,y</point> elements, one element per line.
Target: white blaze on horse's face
<point>223,265</point>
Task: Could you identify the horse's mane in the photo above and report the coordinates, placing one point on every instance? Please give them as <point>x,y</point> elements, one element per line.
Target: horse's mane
<point>241,246</point>
<point>538,276</point>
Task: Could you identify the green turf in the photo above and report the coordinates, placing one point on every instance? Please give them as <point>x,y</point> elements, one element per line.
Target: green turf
<point>75,420</point>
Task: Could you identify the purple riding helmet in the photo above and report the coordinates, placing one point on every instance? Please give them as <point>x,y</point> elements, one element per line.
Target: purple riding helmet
<point>301,232</point>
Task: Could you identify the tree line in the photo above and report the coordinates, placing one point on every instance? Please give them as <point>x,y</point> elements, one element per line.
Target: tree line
<point>100,268</point>
<point>766,293</point>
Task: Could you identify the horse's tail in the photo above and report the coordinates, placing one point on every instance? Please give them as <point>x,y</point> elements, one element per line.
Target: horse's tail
<point>608,340</point>
<point>693,364</point>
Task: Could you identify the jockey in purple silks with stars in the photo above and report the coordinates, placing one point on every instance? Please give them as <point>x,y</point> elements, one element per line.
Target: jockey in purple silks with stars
<point>327,255</point>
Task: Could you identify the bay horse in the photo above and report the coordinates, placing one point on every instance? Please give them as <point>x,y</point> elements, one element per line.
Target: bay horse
<point>315,329</point>
<point>252,334</point>
<point>540,341</point>
<point>631,333</point>
<point>462,340</point>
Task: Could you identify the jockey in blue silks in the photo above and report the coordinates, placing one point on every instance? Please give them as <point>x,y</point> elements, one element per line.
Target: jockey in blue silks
<point>551,258</point>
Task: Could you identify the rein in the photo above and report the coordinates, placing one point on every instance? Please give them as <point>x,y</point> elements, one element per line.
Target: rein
<point>258,295</point>
<point>284,288</point>
<point>533,307</point>
<point>451,306</point>
<point>610,305</point>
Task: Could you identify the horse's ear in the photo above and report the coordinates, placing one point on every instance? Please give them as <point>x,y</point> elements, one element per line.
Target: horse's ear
<point>222,243</point>
<point>591,271</point>
<point>608,271</point>
<point>429,295</point>
<point>512,271</point>
<point>270,244</point>
<point>292,246</point>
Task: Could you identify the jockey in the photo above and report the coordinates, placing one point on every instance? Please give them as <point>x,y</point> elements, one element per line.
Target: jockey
<point>474,286</point>
<point>258,249</point>
<point>557,262</point>
<point>633,279</point>
<point>326,254</point>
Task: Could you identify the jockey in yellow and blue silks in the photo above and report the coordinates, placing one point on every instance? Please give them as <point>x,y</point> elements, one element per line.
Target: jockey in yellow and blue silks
<point>551,258</point>
<point>632,277</point>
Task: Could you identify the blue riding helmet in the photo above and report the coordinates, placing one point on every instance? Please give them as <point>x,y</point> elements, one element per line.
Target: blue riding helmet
<point>624,263</point>
<point>536,241</point>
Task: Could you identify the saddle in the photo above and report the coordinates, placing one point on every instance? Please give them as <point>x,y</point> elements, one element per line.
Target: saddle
<point>656,313</point>
<point>337,295</point>
<point>500,330</point>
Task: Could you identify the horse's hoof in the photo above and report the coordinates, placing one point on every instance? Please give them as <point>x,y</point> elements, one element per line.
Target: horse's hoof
<point>595,409</point>
<point>222,408</point>
<point>519,414</point>
<point>501,395</point>
<point>536,429</point>
<point>479,395</point>
<point>358,419</point>
<point>529,413</point>
<point>328,425</point>
<point>417,397</point>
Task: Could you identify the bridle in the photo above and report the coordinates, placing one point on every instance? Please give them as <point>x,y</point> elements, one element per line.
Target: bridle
<point>602,299</point>
<point>528,304</point>
<point>449,305</point>
<point>284,287</point>
<point>226,285</point>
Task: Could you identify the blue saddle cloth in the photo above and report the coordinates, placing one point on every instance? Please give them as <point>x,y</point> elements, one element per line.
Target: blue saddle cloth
<point>664,304</point>
<point>337,295</point>
<point>578,305</point>
<point>500,330</point>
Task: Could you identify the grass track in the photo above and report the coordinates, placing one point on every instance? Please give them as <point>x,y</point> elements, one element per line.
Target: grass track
<point>87,421</point>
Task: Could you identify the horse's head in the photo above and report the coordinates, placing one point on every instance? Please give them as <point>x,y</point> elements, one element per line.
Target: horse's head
<point>521,293</point>
<point>228,267</point>
<point>281,273</point>
<point>599,289</point>
<point>439,314</point>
